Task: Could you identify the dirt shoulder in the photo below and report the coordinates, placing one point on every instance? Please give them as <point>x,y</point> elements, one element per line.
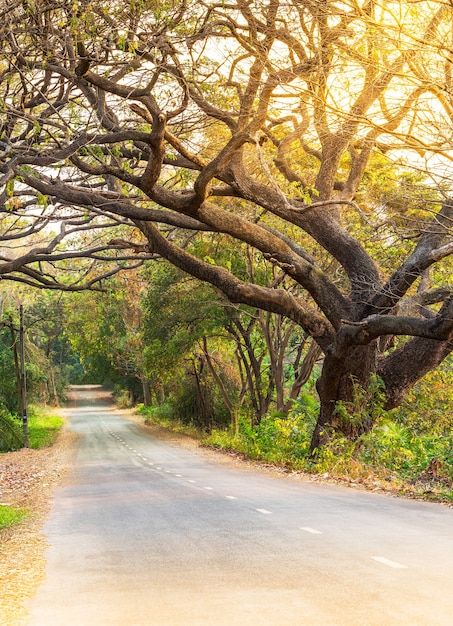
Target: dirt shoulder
<point>28,479</point>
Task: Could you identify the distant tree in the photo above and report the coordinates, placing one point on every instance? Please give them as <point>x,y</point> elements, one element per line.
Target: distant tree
<point>187,320</point>
<point>258,120</point>
<point>103,330</point>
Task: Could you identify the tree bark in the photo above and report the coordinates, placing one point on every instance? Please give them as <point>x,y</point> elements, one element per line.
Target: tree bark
<point>406,366</point>
<point>146,391</point>
<point>339,378</point>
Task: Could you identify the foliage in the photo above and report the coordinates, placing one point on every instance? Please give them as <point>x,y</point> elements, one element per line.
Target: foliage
<point>177,312</point>
<point>279,439</point>
<point>51,361</point>
<point>192,400</point>
<point>165,416</point>
<point>408,439</point>
<point>366,405</point>
<point>198,402</point>
<point>93,325</point>
<point>11,433</point>
<point>46,352</point>
<point>401,448</point>
<point>43,429</point>
<point>8,390</point>
<point>398,449</point>
<point>9,516</point>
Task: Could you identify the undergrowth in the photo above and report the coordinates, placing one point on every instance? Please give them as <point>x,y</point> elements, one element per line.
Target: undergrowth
<point>409,449</point>
<point>43,429</point>
<point>164,415</point>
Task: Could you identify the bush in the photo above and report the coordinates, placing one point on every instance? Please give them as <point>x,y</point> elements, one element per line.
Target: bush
<point>192,402</point>
<point>400,450</point>
<point>164,415</point>
<point>279,439</point>
<point>11,433</point>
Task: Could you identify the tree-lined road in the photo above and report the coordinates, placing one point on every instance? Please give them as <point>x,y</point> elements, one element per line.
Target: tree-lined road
<point>149,533</point>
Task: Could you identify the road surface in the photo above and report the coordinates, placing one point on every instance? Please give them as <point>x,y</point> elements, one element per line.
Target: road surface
<point>149,533</point>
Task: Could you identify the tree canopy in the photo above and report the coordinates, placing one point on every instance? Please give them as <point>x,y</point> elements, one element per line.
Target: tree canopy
<point>268,122</point>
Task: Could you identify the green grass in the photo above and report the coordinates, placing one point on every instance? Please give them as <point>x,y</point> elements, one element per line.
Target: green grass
<point>10,516</point>
<point>43,428</point>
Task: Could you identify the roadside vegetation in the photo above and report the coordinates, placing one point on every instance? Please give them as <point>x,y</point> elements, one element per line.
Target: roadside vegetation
<point>209,371</point>
<point>409,451</point>
<point>43,427</point>
<point>9,516</point>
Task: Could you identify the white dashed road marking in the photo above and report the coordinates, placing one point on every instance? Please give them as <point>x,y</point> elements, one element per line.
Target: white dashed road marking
<point>379,559</point>
<point>388,562</point>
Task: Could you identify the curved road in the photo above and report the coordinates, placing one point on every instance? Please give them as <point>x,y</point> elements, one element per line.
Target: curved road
<point>152,534</point>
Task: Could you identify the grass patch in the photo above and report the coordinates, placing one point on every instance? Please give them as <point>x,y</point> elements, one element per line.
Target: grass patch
<point>43,428</point>
<point>10,516</point>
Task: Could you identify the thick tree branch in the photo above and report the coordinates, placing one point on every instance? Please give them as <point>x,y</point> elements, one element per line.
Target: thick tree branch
<point>274,300</point>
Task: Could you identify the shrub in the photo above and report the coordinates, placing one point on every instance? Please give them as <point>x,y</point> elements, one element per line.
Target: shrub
<point>11,434</point>
<point>280,439</point>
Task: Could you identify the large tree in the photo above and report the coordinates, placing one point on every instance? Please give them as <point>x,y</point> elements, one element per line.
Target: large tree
<point>259,120</point>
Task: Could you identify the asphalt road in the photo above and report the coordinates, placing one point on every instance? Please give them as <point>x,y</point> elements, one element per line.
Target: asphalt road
<point>149,533</point>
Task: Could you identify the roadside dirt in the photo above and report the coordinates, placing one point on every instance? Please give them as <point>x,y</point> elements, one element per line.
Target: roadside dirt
<point>27,480</point>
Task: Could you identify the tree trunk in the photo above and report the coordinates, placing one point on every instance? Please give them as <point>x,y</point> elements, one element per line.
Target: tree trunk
<point>403,368</point>
<point>17,367</point>
<point>338,382</point>
<point>54,393</point>
<point>146,391</point>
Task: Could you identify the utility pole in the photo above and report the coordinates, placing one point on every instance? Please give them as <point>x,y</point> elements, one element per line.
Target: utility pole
<point>23,378</point>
